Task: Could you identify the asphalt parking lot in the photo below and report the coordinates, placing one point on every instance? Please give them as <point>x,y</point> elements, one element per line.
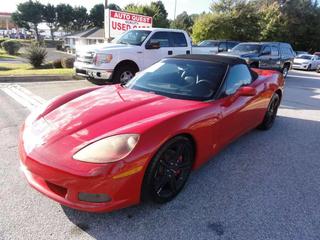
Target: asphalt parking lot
<point>266,185</point>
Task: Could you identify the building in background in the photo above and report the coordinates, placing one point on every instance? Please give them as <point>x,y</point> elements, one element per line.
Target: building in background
<point>6,24</point>
<point>88,37</point>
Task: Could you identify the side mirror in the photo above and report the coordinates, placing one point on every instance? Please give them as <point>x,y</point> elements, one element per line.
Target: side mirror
<point>153,45</point>
<point>247,91</point>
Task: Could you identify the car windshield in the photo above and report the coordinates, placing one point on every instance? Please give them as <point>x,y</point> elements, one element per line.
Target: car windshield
<point>247,48</point>
<point>181,79</point>
<point>307,57</point>
<point>133,37</point>
<point>208,44</point>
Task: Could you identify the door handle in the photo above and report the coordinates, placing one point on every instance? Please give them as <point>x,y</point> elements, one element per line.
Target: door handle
<point>170,52</point>
<point>188,52</point>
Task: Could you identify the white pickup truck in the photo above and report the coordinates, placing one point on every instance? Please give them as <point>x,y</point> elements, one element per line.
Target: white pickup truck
<point>134,51</point>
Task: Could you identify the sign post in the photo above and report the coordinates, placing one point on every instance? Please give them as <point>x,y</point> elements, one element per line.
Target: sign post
<point>117,22</point>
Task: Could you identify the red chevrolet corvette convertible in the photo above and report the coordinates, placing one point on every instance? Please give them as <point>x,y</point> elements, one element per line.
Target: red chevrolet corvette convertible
<point>108,147</point>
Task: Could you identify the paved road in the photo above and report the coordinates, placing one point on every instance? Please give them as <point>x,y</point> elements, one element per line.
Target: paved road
<point>266,185</point>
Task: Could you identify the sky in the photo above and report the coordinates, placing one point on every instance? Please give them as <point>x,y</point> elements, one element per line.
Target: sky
<point>190,6</point>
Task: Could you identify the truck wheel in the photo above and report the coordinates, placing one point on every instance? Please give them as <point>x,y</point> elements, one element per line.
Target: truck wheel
<point>285,70</point>
<point>124,73</point>
<point>254,65</point>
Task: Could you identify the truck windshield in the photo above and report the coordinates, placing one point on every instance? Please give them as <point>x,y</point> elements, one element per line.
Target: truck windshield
<point>133,37</point>
<point>181,79</point>
<point>247,48</point>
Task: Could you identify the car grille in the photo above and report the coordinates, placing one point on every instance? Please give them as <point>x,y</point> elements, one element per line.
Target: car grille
<point>295,63</point>
<point>86,57</point>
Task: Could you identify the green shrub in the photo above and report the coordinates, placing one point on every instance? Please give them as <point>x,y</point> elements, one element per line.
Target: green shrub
<point>36,54</point>
<point>12,47</point>
<point>67,62</point>
<point>2,40</point>
<point>57,63</point>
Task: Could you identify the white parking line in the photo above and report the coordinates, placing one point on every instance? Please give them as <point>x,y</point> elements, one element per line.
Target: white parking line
<point>299,76</point>
<point>23,96</point>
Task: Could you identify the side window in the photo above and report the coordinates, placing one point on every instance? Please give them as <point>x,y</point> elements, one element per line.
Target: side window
<point>222,47</point>
<point>238,76</point>
<point>231,45</point>
<point>162,37</point>
<point>274,51</point>
<point>179,39</point>
<point>266,50</point>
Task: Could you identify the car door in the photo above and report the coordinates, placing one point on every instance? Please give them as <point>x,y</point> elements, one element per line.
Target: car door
<point>238,112</point>
<point>265,58</point>
<point>315,62</point>
<point>275,58</point>
<point>152,56</point>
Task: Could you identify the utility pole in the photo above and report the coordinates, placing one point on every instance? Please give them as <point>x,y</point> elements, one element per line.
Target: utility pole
<point>175,9</point>
<point>105,4</point>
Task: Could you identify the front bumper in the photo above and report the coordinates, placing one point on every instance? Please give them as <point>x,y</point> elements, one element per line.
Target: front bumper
<point>300,66</point>
<point>122,187</point>
<point>91,71</point>
<point>102,74</point>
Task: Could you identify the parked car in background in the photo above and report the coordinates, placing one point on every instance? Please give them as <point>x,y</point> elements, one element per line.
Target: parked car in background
<point>318,69</point>
<point>215,46</point>
<point>265,55</point>
<point>317,53</point>
<point>306,62</point>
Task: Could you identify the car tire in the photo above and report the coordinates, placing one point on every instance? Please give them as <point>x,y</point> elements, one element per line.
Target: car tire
<point>169,170</point>
<point>309,67</point>
<point>271,113</point>
<point>285,70</point>
<point>124,73</point>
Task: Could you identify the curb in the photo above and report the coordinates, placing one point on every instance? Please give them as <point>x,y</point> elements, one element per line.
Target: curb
<point>38,78</point>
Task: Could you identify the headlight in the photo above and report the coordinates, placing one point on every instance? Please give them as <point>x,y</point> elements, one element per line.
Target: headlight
<point>108,150</point>
<point>102,58</point>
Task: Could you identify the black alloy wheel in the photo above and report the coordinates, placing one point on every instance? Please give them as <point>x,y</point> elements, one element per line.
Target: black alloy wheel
<point>271,113</point>
<point>169,170</point>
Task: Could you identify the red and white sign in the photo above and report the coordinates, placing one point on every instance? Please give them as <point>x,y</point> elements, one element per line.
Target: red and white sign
<point>117,22</point>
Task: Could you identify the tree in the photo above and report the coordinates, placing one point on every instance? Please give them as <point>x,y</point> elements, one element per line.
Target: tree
<point>65,16</point>
<point>96,15</point>
<point>113,6</point>
<point>50,17</point>
<point>156,10</point>
<point>160,14</point>
<point>229,19</point>
<point>183,21</point>
<point>29,15</point>
<point>80,18</point>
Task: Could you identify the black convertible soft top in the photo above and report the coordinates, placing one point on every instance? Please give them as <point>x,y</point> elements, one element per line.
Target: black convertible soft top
<point>212,58</point>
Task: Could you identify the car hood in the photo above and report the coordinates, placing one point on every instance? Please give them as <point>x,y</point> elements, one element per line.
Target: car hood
<point>103,47</point>
<point>301,60</point>
<point>108,111</point>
